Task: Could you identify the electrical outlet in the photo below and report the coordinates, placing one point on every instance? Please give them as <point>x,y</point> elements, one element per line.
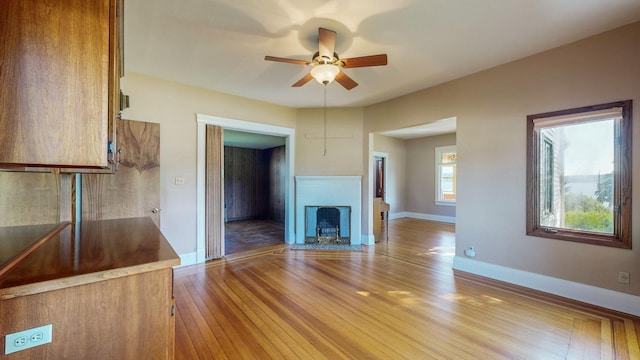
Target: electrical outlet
<point>27,339</point>
<point>470,251</point>
<point>623,277</point>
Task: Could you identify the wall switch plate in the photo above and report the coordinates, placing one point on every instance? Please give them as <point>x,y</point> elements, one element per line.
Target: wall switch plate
<point>623,277</point>
<point>179,180</point>
<point>27,339</point>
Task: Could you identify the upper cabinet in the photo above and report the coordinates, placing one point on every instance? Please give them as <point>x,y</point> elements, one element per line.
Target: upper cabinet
<point>60,69</point>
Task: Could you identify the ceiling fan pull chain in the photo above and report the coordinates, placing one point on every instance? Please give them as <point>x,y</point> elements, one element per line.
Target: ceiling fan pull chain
<point>325,120</point>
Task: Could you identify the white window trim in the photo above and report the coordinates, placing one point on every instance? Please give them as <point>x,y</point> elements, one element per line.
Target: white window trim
<point>439,151</point>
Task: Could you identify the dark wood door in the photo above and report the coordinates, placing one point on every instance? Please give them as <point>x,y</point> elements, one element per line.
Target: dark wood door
<point>380,180</point>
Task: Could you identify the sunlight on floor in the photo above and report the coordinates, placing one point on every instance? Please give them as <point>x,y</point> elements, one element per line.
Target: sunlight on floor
<point>402,296</point>
<point>448,251</point>
<point>476,301</point>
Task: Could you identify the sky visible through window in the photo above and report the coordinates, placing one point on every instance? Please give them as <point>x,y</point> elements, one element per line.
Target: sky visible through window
<point>589,148</point>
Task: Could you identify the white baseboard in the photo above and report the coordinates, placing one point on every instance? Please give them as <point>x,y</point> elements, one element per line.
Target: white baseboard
<point>406,214</point>
<point>188,259</point>
<point>605,298</point>
<point>367,239</point>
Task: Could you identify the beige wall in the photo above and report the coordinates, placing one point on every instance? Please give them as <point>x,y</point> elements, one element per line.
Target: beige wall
<point>411,174</point>
<point>491,109</point>
<point>421,179</point>
<point>490,106</point>
<point>396,171</point>
<point>175,106</point>
<point>344,141</point>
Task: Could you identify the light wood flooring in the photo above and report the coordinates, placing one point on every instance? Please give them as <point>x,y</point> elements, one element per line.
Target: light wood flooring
<point>395,300</point>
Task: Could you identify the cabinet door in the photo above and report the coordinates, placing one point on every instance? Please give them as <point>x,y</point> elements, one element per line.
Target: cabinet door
<point>134,190</point>
<point>116,71</point>
<point>56,82</point>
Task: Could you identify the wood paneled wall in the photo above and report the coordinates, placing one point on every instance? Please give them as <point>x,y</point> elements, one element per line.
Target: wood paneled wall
<point>244,178</point>
<point>275,158</point>
<point>28,198</point>
<point>254,183</point>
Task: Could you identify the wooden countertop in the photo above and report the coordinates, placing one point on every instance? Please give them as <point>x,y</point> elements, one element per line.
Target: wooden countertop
<point>17,241</point>
<point>81,253</point>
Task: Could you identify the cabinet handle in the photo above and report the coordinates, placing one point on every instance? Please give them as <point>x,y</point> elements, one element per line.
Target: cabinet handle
<point>117,161</point>
<point>110,153</point>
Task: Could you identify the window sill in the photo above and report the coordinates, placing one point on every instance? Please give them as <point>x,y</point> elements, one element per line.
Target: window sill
<point>582,237</point>
<point>445,203</point>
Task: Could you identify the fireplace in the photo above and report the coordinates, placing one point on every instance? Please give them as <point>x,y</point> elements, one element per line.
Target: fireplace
<point>327,225</point>
<point>329,193</point>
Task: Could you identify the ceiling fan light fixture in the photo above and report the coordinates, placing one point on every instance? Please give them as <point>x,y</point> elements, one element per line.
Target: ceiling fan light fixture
<point>325,73</point>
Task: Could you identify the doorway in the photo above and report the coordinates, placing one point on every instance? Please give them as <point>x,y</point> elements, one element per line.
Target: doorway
<point>380,206</point>
<point>243,126</point>
<point>254,197</point>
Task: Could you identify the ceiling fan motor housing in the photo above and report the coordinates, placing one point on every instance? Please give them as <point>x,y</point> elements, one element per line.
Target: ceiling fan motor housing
<point>327,65</point>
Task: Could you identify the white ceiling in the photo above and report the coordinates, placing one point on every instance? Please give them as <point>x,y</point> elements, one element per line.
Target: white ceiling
<point>439,127</point>
<point>221,44</point>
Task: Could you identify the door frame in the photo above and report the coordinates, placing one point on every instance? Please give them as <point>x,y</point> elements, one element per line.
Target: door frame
<point>372,195</point>
<point>240,125</point>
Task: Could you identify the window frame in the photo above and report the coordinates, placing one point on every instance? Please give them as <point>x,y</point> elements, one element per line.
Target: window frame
<point>549,158</point>
<point>622,179</point>
<point>439,150</point>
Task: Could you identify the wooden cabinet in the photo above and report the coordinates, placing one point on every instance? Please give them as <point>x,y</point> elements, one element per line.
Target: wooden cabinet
<point>380,212</point>
<point>59,82</point>
<point>105,286</point>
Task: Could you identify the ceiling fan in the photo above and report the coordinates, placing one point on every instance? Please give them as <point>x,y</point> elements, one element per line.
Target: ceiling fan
<point>327,66</point>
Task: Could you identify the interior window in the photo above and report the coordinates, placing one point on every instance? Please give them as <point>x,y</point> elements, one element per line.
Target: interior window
<point>446,175</point>
<point>579,174</point>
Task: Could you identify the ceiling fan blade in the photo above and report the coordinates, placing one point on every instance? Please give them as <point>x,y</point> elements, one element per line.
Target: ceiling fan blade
<point>344,80</point>
<point>303,81</point>
<point>371,60</point>
<point>285,60</point>
<point>326,43</point>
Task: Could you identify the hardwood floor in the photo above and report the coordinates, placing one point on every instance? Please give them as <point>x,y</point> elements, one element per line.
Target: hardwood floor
<point>396,300</point>
<point>245,235</point>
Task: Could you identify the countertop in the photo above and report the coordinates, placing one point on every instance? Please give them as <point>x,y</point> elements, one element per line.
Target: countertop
<point>48,257</point>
